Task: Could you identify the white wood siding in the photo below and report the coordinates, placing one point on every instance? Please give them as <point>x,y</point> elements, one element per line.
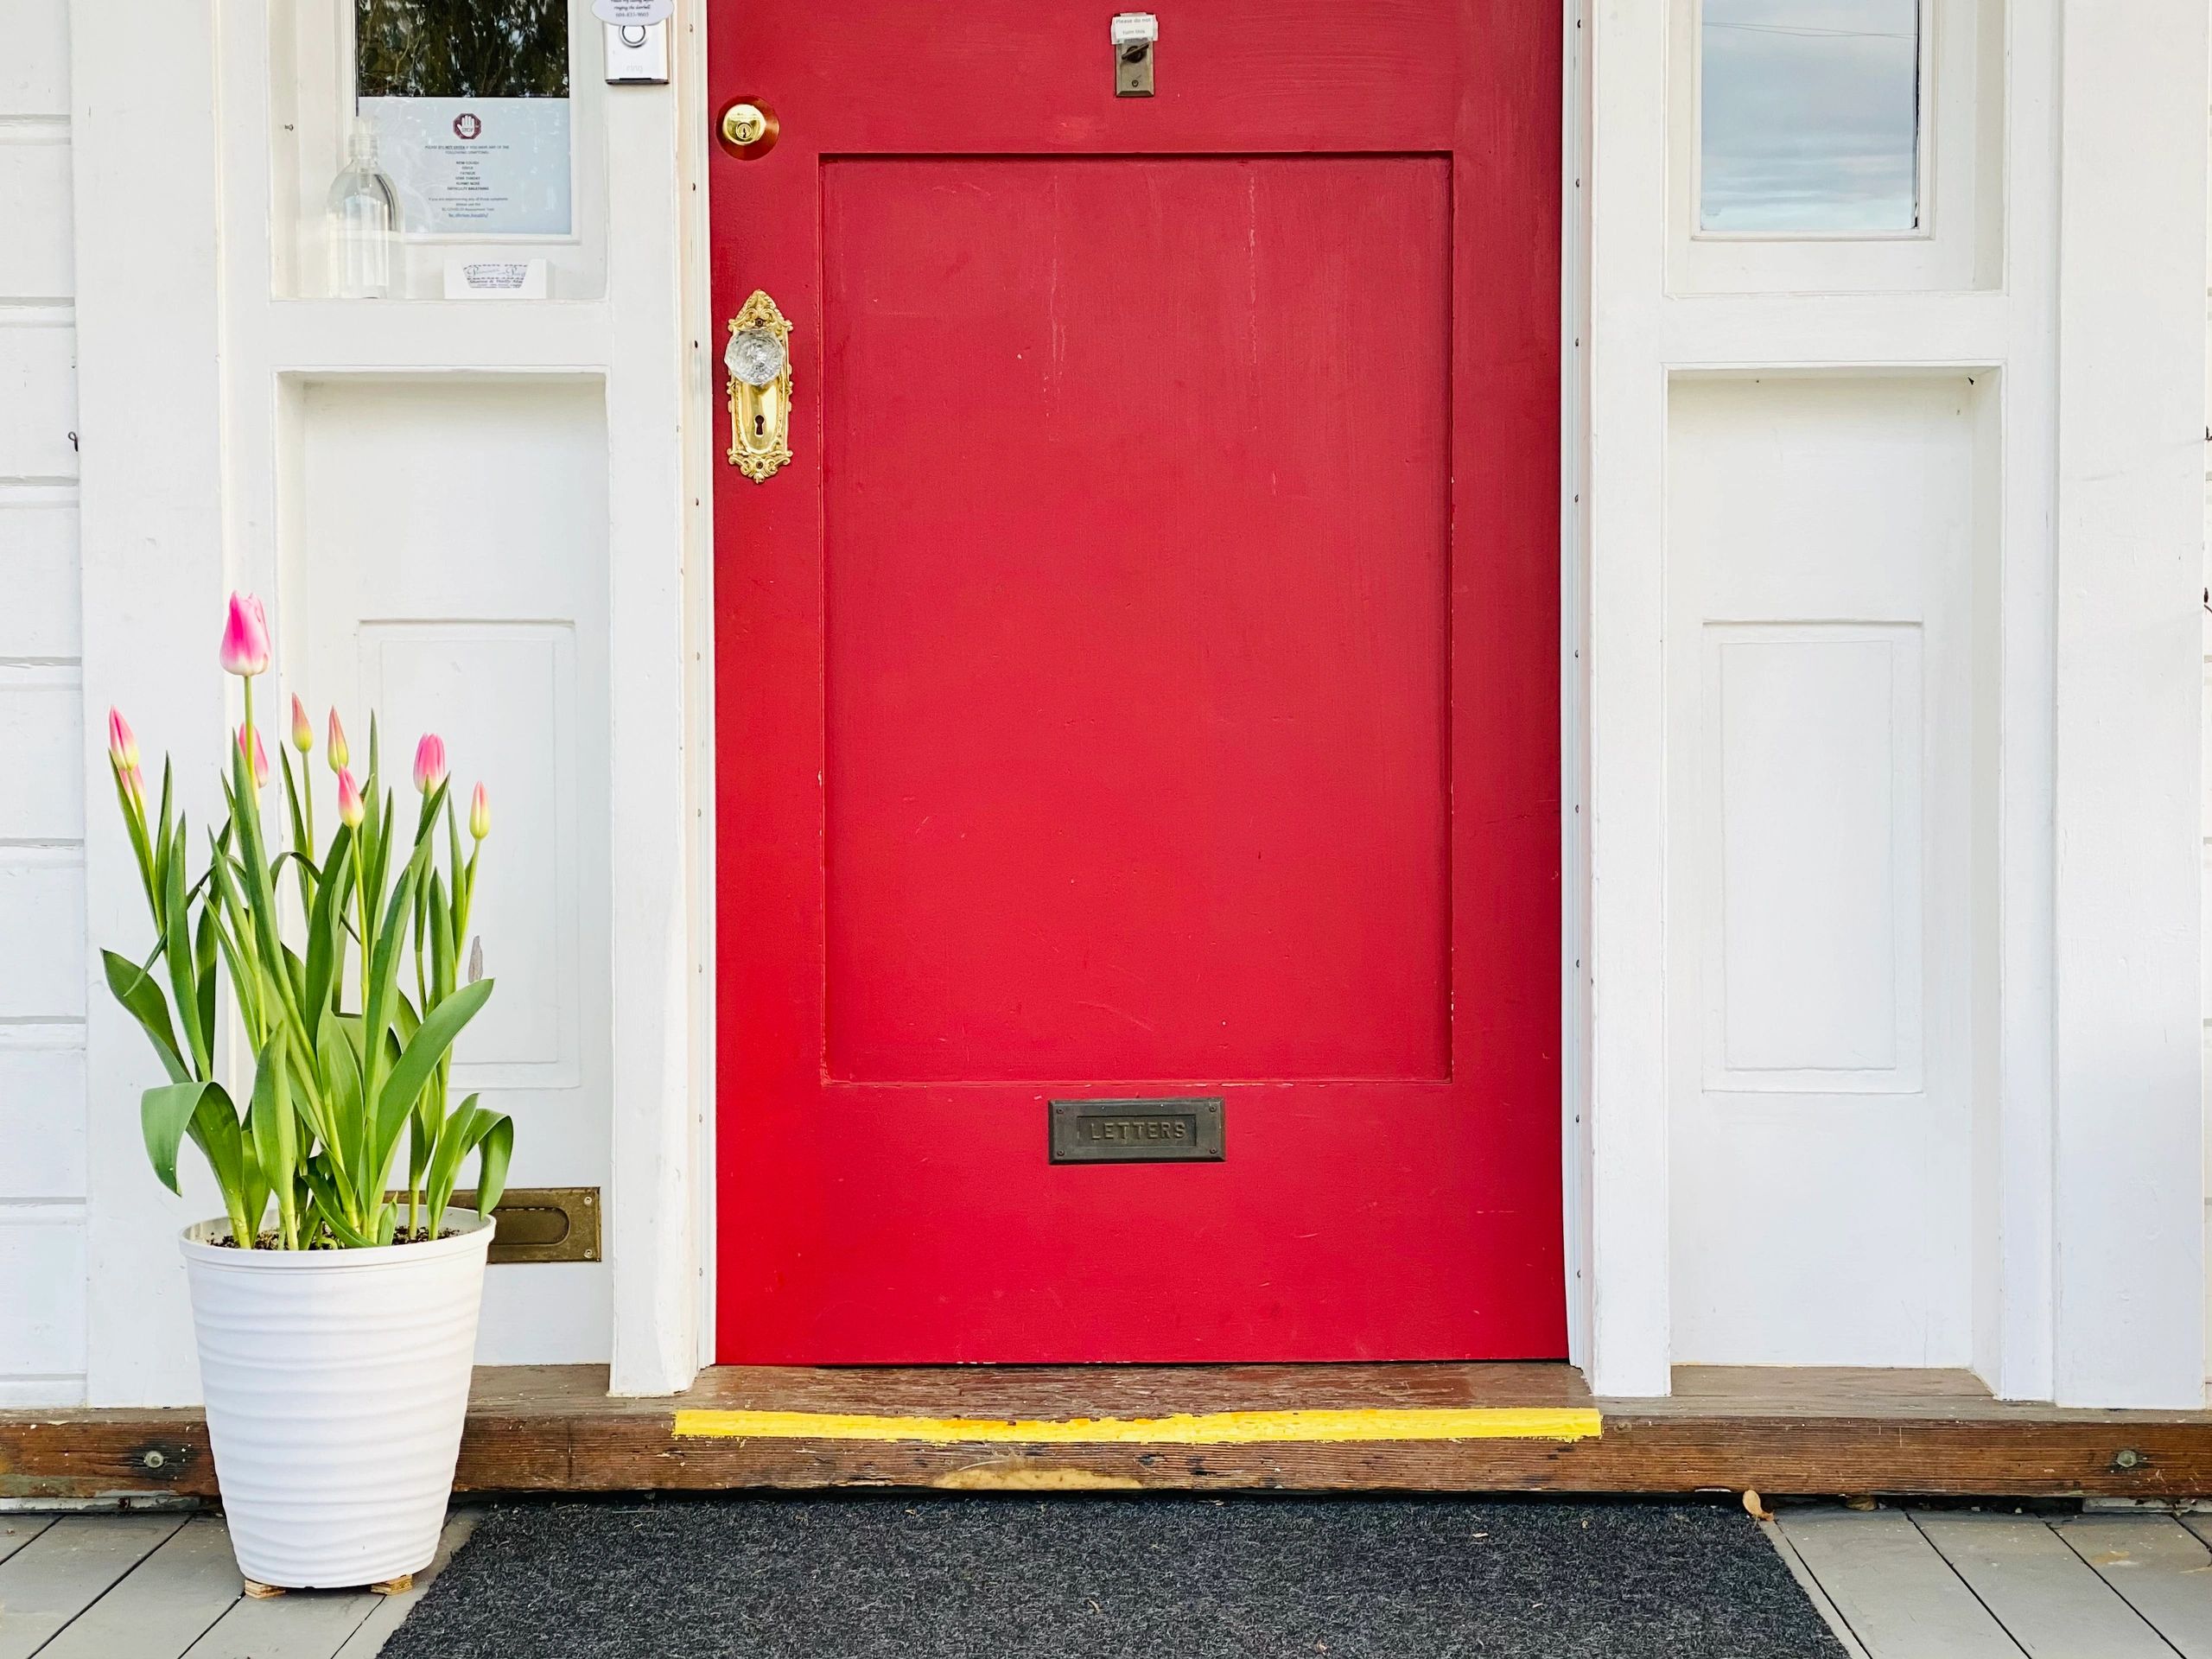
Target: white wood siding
<point>2205,810</point>
<point>42,1295</point>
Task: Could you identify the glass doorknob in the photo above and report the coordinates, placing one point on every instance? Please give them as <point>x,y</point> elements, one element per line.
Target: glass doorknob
<point>756,354</point>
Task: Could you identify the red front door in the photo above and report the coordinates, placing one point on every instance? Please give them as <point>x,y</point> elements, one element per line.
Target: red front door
<point>1141,686</point>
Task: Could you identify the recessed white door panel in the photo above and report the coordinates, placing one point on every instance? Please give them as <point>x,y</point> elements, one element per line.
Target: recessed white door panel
<point>1810,1222</point>
<point>1811,738</point>
<point>1825,758</point>
<point>447,564</point>
<point>503,697</point>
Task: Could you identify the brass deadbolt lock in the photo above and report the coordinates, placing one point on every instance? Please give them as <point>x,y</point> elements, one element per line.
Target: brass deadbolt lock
<point>748,128</point>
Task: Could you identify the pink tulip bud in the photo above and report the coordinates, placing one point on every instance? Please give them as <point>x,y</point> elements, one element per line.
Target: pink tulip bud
<point>122,743</point>
<point>429,762</point>
<point>134,784</point>
<point>340,756</point>
<point>245,637</point>
<point>480,813</point>
<point>302,734</point>
<point>350,811</point>
<point>250,746</point>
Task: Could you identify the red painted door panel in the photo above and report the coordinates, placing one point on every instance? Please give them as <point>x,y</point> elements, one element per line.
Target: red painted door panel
<point>1136,676</point>
<point>1143,682</point>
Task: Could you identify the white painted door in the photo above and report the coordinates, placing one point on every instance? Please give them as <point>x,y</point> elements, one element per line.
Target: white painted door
<point>449,570</point>
<point>1825,894</point>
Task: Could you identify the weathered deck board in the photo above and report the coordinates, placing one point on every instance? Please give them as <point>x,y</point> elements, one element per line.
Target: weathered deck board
<point>16,1530</point>
<point>164,1605</point>
<point>66,1568</point>
<point>1815,1592</point>
<point>2053,1603</point>
<point>541,1429</point>
<point>135,1587</point>
<point>365,1641</point>
<point>2163,1569</point>
<point>304,1625</point>
<point>1897,1595</point>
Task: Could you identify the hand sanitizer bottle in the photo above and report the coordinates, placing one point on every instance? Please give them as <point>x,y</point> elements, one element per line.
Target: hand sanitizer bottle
<point>364,222</point>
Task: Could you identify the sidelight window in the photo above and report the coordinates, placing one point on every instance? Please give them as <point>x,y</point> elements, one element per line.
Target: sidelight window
<point>1809,117</point>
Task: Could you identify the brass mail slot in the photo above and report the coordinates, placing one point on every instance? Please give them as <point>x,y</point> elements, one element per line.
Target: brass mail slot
<point>1176,1131</point>
<point>543,1223</point>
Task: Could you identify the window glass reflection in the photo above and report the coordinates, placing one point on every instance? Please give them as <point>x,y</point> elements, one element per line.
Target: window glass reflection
<point>1810,115</point>
<point>462,48</point>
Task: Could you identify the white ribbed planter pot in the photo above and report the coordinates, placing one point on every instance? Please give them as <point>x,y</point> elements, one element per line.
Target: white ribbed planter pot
<point>336,1382</point>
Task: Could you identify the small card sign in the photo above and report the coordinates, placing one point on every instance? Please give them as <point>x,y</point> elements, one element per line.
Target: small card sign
<point>495,279</point>
<point>633,11</point>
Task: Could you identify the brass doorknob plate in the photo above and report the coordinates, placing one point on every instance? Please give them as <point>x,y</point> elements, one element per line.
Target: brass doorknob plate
<point>759,358</point>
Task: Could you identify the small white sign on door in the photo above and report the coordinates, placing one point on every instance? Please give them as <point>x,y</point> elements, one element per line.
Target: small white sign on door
<point>495,279</point>
<point>487,166</point>
<point>633,11</point>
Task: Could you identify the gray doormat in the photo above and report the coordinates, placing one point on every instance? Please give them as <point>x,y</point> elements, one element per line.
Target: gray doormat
<point>896,1576</point>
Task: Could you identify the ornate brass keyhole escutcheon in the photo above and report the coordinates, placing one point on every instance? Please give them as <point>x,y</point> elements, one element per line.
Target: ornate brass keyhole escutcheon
<point>748,128</point>
<point>759,358</point>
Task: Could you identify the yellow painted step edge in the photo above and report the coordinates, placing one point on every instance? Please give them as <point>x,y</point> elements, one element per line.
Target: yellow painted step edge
<point>1203,1428</point>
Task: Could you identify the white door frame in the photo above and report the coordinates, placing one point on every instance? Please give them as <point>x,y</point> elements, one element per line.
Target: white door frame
<point>2089,1191</point>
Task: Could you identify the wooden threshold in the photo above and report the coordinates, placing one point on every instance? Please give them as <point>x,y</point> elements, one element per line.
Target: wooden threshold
<point>1355,1428</point>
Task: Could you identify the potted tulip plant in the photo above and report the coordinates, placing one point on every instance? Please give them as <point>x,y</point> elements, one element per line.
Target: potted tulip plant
<point>335,1299</point>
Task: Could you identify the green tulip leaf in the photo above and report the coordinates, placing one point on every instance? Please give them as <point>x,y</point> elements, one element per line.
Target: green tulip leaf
<point>423,1052</point>
<point>165,1114</point>
<point>323,1199</point>
<point>270,1120</point>
<point>135,988</point>
<point>326,937</point>
<point>203,968</point>
<point>471,1129</point>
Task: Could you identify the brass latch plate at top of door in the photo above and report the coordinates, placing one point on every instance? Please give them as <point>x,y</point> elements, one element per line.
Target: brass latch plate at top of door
<point>1135,36</point>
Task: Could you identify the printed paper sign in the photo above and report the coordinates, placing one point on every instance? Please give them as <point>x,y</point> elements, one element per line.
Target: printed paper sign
<point>476,166</point>
<point>495,279</point>
<point>633,11</point>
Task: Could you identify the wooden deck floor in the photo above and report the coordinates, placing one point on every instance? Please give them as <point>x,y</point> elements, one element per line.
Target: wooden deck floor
<point>1893,1584</point>
<point>1951,1584</point>
<point>1316,1428</point>
<point>165,1587</point>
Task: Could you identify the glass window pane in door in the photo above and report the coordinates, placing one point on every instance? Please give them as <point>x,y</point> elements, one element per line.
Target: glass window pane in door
<point>1811,116</point>
<point>461,48</point>
<point>469,100</point>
